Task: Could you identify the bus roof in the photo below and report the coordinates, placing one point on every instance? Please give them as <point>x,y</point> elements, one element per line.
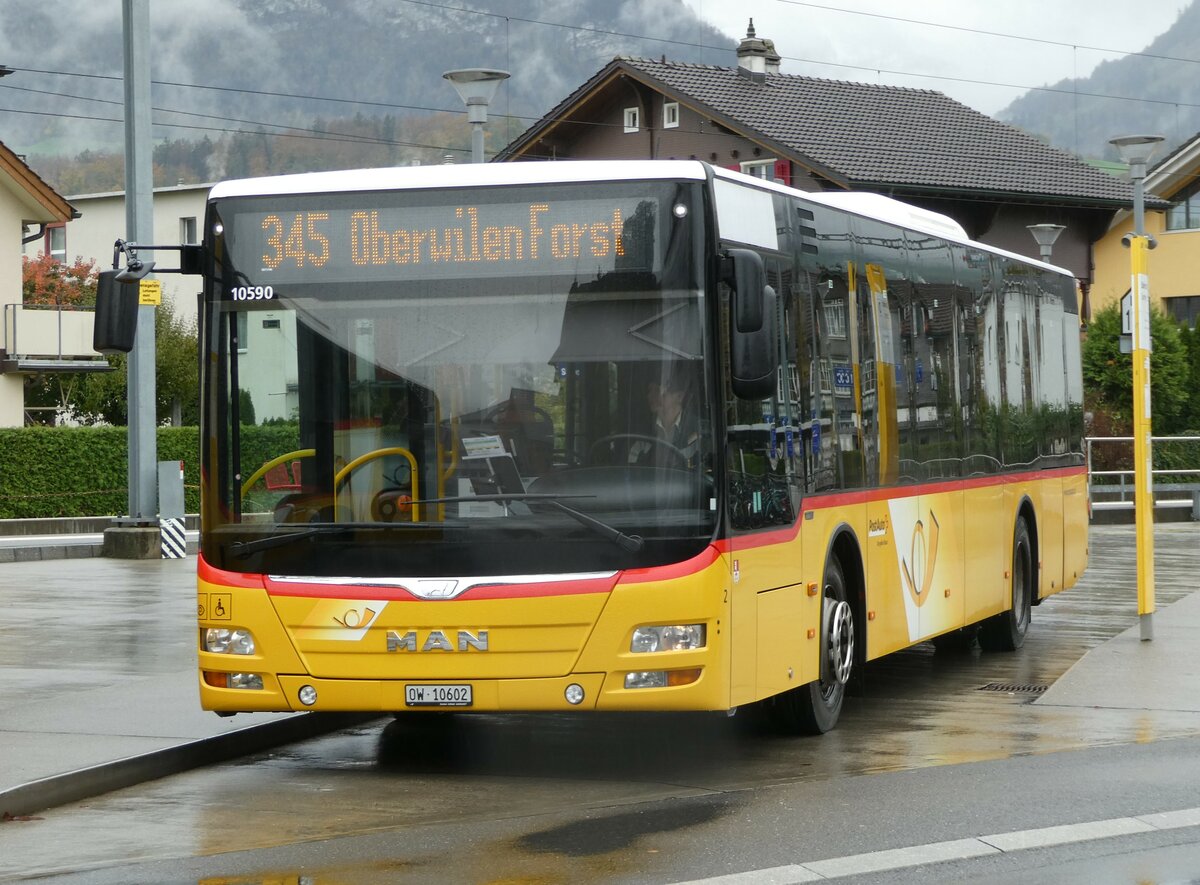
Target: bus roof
<point>862,203</point>
<point>464,175</point>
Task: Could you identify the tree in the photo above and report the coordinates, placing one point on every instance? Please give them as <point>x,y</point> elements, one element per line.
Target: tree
<point>1190,419</point>
<point>1108,373</point>
<point>102,398</point>
<point>48,282</point>
<point>45,280</point>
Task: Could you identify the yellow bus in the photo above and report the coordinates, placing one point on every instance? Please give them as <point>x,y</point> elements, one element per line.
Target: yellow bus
<point>617,436</point>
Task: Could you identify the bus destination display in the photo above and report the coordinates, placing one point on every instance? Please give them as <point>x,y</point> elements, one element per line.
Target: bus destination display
<point>443,242</point>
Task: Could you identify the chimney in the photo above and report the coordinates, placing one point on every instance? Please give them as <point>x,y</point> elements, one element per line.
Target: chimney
<point>757,58</point>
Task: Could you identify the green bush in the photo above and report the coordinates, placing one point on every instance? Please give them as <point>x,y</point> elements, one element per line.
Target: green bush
<point>82,471</point>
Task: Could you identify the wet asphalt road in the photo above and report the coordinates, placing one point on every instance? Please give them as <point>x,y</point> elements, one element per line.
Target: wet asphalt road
<point>604,798</point>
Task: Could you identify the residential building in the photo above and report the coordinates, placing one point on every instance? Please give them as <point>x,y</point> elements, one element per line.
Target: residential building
<point>29,340</point>
<point>178,216</point>
<point>1174,268</point>
<point>916,145</point>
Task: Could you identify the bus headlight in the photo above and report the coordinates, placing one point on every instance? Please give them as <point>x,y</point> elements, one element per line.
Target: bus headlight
<point>224,641</point>
<point>661,678</point>
<point>252,681</point>
<point>675,637</point>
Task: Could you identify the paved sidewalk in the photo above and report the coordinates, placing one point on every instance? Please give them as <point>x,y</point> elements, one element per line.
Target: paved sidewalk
<point>98,676</point>
<point>98,682</point>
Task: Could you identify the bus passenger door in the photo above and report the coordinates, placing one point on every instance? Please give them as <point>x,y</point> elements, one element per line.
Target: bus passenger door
<point>771,611</point>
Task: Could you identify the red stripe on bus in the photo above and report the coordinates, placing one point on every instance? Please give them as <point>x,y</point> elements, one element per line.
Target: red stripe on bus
<point>698,563</point>
<point>214,575</point>
<point>710,554</point>
<point>785,534</point>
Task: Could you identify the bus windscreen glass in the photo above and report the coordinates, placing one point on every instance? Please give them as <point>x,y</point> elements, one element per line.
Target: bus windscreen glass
<point>423,382</point>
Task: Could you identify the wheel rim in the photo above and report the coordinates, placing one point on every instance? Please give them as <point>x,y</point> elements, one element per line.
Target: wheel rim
<point>839,645</point>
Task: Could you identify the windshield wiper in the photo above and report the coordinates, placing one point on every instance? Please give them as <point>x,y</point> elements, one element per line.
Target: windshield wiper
<point>629,543</point>
<point>244,548</point>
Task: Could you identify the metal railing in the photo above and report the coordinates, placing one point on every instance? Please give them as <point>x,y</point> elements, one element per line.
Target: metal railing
<point>1119,495</point>
<point>48,330</point>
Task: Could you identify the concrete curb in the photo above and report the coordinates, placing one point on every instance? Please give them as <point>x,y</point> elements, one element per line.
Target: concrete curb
<point>50,551</point>
<point>75,786</point>
<point>65,551</point>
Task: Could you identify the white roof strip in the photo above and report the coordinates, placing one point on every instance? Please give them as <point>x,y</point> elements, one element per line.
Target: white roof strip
<point>454,176</point>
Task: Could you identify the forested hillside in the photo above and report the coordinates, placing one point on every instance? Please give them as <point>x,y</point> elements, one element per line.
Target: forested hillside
<point>1155,91</point>
<point>254,86</point>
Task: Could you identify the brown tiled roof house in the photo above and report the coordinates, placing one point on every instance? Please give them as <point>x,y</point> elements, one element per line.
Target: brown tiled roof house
<point>917,145</point>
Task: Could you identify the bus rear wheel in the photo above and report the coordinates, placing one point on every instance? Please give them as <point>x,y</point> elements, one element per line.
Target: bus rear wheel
<point>814,708</point>
<point>1006,631</point>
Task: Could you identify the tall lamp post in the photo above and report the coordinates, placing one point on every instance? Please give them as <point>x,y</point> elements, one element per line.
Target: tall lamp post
<point>1135,151</point>
<point>1045,234</point>
<point>476,87</point>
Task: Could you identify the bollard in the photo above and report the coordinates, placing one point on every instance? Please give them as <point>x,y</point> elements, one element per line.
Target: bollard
<point>173,543</point>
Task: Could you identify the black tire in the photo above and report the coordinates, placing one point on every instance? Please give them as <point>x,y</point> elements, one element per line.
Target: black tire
<point>814,708</point>
<point>1006,631</point>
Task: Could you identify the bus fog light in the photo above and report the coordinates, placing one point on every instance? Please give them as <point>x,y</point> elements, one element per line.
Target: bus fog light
<point>251,681</point>
<point>307,695</point>
<point>224,641</point>
<point>574,694</point>
<point>646,679</point>
<point>674,637</point>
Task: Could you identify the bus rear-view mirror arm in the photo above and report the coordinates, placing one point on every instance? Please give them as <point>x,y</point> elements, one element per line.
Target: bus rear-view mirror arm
<point>117,292</point>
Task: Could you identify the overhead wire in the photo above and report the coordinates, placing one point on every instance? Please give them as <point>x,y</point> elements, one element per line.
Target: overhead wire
<point>298,131</point>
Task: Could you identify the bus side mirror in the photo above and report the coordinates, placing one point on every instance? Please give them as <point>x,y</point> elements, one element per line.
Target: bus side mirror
<point>752,345</point>
<point>116,313</point>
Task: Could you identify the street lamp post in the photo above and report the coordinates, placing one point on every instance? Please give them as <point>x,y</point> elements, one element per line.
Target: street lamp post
<point>1135,151</point>
<point>1045,234</point>
<point>476,87</point>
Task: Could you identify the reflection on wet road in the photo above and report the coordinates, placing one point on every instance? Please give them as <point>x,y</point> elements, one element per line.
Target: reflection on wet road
<point>918,708</point>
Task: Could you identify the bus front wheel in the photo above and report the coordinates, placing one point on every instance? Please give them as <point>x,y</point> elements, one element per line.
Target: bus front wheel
<point>1006,631</point>
<point>814,708</point>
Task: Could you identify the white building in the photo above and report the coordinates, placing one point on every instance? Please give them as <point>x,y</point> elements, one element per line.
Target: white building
<point>178,214</point>
<point>30,340</point>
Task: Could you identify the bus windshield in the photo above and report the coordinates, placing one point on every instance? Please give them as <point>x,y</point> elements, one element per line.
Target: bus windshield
<point>439,383</point>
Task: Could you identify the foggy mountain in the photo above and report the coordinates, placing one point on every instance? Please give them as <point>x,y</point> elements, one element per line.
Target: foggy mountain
<point>1081,115</point>
<point>382,57</point>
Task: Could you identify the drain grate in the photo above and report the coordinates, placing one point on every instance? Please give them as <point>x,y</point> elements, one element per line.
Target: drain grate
<point>1014,687</point>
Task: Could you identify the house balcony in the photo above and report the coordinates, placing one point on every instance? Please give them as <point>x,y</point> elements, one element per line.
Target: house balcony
<point>35,339</point>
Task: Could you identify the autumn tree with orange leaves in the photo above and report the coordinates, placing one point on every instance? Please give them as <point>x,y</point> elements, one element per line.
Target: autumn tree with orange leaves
<point>45,280</point>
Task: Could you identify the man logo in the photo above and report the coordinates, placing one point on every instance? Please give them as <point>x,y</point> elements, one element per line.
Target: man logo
<point>436,640</point>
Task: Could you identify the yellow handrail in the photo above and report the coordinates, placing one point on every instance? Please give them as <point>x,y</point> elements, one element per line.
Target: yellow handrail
<point>274,462</point>
<point>341,475</point>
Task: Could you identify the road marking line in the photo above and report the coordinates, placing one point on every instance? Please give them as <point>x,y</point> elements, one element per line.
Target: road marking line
<point>1170,820</point>
<point>895,858</point>
<point>1021,840</point>
<point>957,849</point>
<point>787,875</point>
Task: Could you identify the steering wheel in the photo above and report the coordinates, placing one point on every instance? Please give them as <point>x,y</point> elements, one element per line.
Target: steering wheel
<point>632,438</point>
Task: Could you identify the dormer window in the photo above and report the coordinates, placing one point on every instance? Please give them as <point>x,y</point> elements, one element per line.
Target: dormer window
<point>631,119</point>
<point>670,114</point>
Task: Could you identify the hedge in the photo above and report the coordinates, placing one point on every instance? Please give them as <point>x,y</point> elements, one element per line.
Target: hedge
<point>82,471</point>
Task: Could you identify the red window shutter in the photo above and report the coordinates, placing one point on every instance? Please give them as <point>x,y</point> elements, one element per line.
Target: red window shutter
<point>783,172</point>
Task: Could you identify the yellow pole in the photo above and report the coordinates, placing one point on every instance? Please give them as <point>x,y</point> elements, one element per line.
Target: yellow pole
<point>1143,478</point>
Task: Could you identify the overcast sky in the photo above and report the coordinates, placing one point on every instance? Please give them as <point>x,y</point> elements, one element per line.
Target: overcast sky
<point>882,41</point>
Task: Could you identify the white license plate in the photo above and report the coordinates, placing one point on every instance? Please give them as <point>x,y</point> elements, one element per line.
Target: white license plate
<point>437,696</point>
